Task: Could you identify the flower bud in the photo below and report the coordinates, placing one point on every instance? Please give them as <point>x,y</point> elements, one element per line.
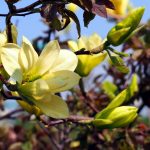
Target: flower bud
<point>117,117</point>
<point>124,29</point>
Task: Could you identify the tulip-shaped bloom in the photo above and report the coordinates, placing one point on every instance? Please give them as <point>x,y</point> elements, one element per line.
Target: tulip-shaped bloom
<point>120,7</point>
<point>38,78</point>
<point>116,117</point>
<point>87,62</point>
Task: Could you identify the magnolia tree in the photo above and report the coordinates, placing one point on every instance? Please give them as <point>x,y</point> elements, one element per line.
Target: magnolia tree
<point>35,76</point>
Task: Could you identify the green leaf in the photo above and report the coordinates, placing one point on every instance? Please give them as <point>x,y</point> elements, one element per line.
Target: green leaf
<point>110,89</point>
<point>133,87</point>
<point>119,64</point>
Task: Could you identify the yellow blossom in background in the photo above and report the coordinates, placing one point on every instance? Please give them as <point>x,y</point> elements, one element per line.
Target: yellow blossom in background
<point>120,7</point>
<point>87,62</point>
<point>72,7</point>
<point>38,78</point>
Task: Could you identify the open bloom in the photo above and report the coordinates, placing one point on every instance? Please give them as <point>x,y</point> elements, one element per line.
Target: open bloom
<point>87,62</point>
<point>38,78</point>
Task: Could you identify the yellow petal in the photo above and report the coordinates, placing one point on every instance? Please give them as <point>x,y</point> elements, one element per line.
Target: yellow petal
<point>66,60</point>
<point>3,39</point>
<point>53,106</point>
<point>72,7</point>
<point>83,42</point>
<point>61,80</point>
<point>73,46</point>
<point>94,41</point>
<point>14,33</point>
<point>46,60</point>
<point>33,90</point>
<point>9,56</point>
<point>88,63</point>
<point>27,55</point>
<point>120,7</point>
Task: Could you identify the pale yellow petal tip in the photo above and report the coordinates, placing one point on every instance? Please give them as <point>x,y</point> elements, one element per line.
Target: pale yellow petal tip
<point>53,106</point>
<point>55,42</point>
<point>73,46</point>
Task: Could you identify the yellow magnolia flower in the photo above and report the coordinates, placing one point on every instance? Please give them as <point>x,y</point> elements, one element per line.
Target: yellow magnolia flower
<point>87,62</point>
<point>120,7</point>
<point>38,78</point>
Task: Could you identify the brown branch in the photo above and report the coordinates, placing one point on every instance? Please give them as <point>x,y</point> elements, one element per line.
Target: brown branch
<point>73,119</point>
<point>10,114</point>
<point>9,96</point>
<point>8,30</point>
<point>3,15</point>
<point>35,4</point>
<point>87,99</point>
<point>54,142</point>
<point>29,8</point>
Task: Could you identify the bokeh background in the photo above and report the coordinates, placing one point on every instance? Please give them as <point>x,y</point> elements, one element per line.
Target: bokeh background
<point>32,26</point>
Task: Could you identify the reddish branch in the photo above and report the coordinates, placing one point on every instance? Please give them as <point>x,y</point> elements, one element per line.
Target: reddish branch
<point>87,99</point>
<point>10,114</point>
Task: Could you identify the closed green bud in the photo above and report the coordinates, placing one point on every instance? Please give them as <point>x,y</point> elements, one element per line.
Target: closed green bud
<point>115,118</point>
<point>122,31</point>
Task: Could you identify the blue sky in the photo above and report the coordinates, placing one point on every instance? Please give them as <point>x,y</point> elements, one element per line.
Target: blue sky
<point>32,26</point>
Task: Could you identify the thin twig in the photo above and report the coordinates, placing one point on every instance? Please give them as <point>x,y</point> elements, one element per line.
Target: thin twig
<point>86,97</point>
<point>10,114</point>
<point>57,145</point>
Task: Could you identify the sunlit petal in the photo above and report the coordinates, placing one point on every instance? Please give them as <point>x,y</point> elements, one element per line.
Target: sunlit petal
<point>33,90</point>
<point>66,60</point>
<point>27,55</point>
<point>53,106</point>
<point>83,42</point>
<point>3,39</point>
<point>73,46</point>
<point>87,63</point>
<point>9,56</point>
<point>46,59</point>
<point>61,80</point>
